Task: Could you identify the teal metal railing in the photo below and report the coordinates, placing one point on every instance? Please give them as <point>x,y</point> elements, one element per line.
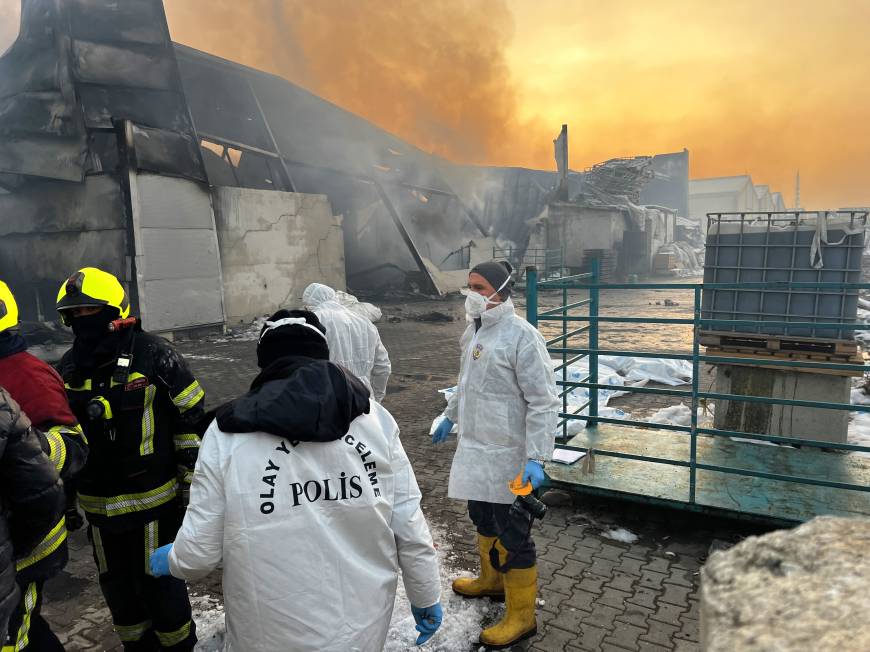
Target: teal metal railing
<point>585,312</point>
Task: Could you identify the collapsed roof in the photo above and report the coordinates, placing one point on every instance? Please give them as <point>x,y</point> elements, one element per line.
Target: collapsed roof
<point>80,68</point>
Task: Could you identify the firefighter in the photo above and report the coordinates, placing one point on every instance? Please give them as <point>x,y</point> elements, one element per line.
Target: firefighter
<point>138,403</point>
<point>31,502</point>
<point>39,390</point>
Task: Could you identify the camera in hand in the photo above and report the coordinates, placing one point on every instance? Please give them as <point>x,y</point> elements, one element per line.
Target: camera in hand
<point>529,506</point>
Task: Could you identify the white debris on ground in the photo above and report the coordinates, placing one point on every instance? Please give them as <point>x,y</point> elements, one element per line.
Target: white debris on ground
<point>248,333</point>
<point>208,614</point>
<point>616,371</point>
<point>689,259</point>
<point>459,630</point>
<point>859,422</point>
<point>208,357</point>
<point>620,534</point>
<point>251,332</point>
<point>637,372</point>
<point>462,618</point>
<point>863,316</point>
<point>859,431</point>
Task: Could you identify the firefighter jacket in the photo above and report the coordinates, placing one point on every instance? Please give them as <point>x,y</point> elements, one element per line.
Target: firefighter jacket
<point>31,497</point>
<point>138,409</point>
<point>39,391</point>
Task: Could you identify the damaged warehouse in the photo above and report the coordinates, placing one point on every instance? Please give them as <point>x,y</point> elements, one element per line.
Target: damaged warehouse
<point>217,192</point>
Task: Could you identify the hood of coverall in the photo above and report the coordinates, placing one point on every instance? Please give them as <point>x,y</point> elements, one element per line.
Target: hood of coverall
<point>317,294</point>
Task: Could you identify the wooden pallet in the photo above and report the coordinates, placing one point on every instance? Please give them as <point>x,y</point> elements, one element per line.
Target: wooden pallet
<point>765,342</point>
<point>859,357</point>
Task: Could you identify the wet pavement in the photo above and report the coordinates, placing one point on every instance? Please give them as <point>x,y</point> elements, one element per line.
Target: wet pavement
<point>596,593</point>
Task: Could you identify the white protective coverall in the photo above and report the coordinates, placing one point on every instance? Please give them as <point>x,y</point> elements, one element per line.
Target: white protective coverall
<point>505,405</point>
<point>354,342</point>
<point>306,566</point>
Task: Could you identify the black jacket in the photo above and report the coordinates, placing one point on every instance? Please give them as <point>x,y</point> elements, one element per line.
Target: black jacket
<point>300,398</point>
<point>143,446</point>
<point>32,497</point>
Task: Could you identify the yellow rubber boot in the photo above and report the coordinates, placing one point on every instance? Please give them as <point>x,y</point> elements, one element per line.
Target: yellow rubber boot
<point>521,590</point>
<point>490,583</point>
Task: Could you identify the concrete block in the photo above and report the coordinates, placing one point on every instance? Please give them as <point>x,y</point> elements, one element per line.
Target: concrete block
<point>790,590</point>
<point>272,245</point>
<point>782,420</point>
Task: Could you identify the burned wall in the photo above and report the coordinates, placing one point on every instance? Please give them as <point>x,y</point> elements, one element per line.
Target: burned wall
<point>51,228</point>
<point>41,129</point>
<point>389,192</point>
<point>669,186</point>
<point>574,229</point>
<point>273,244</point>
<point>89,95</point>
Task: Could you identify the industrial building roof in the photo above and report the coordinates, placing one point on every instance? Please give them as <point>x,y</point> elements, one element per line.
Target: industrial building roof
<point>719,185</point>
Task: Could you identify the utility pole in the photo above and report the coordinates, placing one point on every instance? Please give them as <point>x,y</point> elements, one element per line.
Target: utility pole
<point>797,191</point>
<point>560,146</point>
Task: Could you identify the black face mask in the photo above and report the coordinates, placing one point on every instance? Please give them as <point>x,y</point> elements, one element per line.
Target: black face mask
<point>92,328</point>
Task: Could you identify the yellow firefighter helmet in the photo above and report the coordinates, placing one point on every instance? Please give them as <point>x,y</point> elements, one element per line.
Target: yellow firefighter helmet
<point>92,287</point>
<point>8,309</point>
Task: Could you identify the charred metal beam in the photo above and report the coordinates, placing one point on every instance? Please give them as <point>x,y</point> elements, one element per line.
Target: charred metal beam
<point>127,167</point>
<point>397,220</point>
<point>271,135</point>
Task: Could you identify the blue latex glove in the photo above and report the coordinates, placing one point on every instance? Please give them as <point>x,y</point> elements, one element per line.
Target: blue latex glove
<point>160,561</point>
<point>428,621</point>
<point>442,431</point>
<point>534,473</point>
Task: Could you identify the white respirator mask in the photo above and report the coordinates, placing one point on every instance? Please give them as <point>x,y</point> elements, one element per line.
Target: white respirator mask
<point>475,304</point>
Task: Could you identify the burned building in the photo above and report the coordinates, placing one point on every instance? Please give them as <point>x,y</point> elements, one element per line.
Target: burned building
<point>125,151</point>
<point>216,191</point>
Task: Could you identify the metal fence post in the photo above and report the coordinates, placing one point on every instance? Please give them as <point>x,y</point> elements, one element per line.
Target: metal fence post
<point>593,341</point>
<point>565,347</point>
<point>532,295</point>
<point>693,453</point>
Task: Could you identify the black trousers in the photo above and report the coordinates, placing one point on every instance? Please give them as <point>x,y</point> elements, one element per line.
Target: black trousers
<point>28,630</point>
<point>149,613</point>
<point>512,530</point>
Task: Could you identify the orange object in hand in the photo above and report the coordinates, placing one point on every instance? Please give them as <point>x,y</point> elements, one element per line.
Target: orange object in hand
<point>518,488</point>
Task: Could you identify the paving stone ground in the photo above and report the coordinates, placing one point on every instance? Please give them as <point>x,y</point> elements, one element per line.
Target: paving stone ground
<point>596,593</point>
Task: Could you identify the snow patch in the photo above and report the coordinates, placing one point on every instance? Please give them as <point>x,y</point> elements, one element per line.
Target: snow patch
<point>621,534</point>
<point>462,618</point>
<point>459,629</point>
<point>208,614</point>
<point>615,371</point>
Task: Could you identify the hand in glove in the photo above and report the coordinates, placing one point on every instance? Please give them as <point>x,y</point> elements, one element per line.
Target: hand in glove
<point>534,473</point>
<point>428,621</point>
<point>442,431</point>
<point>74,519</point>
<point>160,561</point>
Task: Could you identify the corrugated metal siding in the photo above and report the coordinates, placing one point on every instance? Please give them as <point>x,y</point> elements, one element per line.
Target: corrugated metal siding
<point>180,284</point>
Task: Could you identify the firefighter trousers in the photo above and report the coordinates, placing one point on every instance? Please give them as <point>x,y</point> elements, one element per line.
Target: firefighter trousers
<point>28,630</point>
<point>149,613</point>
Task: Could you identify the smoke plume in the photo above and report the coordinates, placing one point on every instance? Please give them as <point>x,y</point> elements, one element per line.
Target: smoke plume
<point>434,73</point>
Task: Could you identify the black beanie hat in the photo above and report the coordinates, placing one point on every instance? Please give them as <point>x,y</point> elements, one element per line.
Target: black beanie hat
<point>496,272</point>
<point>304,338</point>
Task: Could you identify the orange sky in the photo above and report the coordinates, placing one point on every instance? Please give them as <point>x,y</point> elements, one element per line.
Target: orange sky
<point>748,86</point>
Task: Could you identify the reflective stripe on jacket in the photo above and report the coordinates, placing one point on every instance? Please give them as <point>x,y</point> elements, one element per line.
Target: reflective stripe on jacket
<point>145,442</point>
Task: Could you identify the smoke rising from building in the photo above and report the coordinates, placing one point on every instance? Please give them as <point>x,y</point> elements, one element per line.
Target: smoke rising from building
<point>433,73</point>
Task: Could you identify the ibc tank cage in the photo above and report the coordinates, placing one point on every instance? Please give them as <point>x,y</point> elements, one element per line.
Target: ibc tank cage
<point>784,250</point>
